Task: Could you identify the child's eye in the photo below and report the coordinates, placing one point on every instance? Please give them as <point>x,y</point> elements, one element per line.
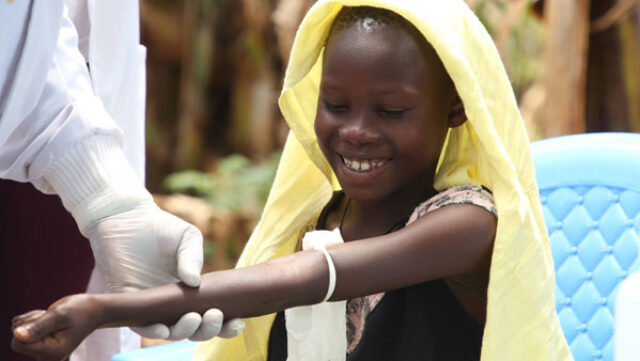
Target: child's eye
<point>392,112</point>
<point>335,107</point>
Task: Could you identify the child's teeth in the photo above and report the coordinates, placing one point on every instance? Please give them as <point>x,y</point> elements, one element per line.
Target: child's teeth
<point>361,165</point>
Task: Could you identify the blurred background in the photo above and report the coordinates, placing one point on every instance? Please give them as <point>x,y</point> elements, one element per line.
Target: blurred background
<point>214,73</point>
<point>215,68</point>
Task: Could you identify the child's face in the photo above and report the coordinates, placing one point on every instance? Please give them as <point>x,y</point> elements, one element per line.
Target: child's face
<point>382,112</point>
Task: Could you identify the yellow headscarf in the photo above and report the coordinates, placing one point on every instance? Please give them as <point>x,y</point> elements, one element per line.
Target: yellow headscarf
<point>491,148</point>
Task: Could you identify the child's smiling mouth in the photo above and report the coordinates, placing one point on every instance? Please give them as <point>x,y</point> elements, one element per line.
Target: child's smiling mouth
<point>361,164</point>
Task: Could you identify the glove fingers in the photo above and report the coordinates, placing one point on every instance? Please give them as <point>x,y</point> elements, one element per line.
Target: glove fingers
<point>155,331</point>
<point>210,326</point>
<point>185,327</point>
<point>232,328</point>
<point>190,257</point>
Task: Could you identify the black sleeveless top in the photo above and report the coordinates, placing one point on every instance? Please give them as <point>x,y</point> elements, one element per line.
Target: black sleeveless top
<point>422,322</point>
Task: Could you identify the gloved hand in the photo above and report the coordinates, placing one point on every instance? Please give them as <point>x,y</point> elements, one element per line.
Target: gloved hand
<point>136,244</point>
<point>146,247</point>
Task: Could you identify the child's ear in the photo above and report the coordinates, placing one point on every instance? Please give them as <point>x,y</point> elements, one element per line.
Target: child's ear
<point>457,116</point>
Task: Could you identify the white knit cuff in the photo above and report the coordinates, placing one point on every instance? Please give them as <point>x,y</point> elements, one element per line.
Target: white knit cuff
<point>94,181</point>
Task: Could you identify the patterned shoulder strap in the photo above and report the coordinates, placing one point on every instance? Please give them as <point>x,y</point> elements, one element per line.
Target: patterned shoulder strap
<point>471,194</point>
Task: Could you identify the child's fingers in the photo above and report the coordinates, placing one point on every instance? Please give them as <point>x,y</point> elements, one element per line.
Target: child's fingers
<point>41,351</point>
<point>41,327</point>
<point>26,317</point>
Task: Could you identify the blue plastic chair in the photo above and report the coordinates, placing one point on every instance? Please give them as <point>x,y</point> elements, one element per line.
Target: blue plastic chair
<point>176,351</point>
<point>590,192</point>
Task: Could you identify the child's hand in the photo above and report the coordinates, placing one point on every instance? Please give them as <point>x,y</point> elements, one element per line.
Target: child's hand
<point>53,334</point>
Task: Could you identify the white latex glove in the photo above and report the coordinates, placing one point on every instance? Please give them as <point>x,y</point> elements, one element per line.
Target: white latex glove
<point>136,245</point>
<point>147,247</point>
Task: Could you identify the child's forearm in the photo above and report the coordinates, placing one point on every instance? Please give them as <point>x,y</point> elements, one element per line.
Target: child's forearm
<point>262,289</point>
<point>453,240</point>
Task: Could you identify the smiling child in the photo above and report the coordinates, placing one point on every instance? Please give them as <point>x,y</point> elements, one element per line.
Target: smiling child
<point>432,198</point>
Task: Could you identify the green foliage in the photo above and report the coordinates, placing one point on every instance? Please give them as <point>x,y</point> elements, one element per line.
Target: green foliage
<point>190,182</point>
<point>208,248</point>
<point>522,47</point>
<point>237,186</point>
<point>490,13</point>
<point>524,52</point>
<point>255,49</point>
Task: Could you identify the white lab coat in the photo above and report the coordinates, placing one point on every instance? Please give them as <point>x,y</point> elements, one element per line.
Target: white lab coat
<point>49,102</point>
<point>110,41</point>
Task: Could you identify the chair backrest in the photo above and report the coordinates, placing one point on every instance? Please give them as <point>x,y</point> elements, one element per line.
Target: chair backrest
<point>590,192</point>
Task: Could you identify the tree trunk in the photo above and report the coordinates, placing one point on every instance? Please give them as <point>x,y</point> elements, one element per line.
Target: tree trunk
<point>613,81</point>
<point>254,112</point>
<point>286,18</point>
<point>199,21</point>
<point>565,66</point>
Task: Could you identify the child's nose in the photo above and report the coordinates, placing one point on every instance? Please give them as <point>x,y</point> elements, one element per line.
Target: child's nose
<point>359,132</point>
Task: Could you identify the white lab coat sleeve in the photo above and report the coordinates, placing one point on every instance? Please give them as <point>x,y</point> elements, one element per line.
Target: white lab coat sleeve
<point>54,132</point>
<point>118,69</point>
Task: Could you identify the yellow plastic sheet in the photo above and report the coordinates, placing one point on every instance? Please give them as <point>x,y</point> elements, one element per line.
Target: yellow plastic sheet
<point>491,148</point>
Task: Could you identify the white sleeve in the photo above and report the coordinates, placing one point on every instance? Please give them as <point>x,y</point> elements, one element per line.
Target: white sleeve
<point>54,131</point>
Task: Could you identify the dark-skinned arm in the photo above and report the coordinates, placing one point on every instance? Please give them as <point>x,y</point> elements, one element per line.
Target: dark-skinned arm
<point>450,241</point>
<point>453,240</point>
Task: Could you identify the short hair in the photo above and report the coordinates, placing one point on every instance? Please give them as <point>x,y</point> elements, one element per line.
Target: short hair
<point>370,18</point>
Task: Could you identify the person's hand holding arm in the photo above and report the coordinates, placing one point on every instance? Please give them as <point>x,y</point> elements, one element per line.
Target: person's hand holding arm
<point>136,244</point>
<point>56,134</point>
<point>265,288</point>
